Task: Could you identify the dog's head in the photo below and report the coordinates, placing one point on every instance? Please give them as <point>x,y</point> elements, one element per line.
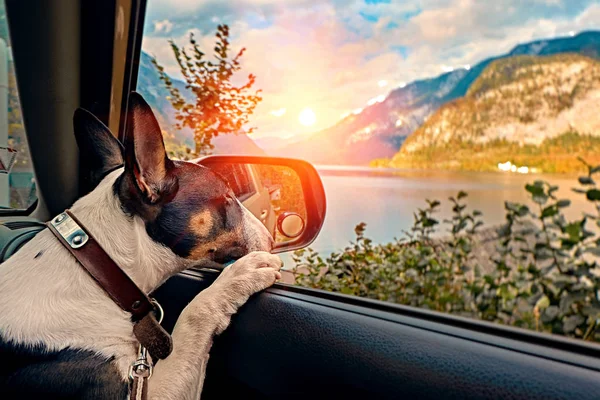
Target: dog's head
<point>184,206</point>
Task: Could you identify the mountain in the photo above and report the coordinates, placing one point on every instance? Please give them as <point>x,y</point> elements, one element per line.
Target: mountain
<point>535,108</point>
<point>237,144</point>
<point>380,129</point>
<point>156,94</point>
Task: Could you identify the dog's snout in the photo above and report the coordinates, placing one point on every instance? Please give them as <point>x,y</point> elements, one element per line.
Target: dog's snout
<point>267,244</point>
<point>256,235</point>
<point>258,238</point>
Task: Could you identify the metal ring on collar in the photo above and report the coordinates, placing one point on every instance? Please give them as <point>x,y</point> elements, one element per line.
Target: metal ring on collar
<point>158,307</point>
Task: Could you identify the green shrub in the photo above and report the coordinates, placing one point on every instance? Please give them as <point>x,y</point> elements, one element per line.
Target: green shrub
<point>543,274</point>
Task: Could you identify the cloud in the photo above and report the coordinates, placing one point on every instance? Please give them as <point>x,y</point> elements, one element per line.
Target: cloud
<point>327,56</point>
<point>279,112</point>
<point>163,26</point>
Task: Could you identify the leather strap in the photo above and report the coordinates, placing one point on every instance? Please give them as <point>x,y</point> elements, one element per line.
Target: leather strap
<point>115,282</point>
<point>139,388</point>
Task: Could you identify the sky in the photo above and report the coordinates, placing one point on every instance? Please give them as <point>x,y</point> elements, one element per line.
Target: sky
<point>318,60</point>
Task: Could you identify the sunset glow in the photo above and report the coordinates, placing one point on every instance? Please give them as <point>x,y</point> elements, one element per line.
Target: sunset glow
<point>279,112</point>
<point>335,57</point>
<point>307,117</point>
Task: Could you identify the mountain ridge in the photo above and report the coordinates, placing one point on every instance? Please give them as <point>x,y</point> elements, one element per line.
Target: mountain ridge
<point>379,130</point>
<point>539,109</point>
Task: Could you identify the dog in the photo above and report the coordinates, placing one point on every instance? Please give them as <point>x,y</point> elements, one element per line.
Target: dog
<point>61,336</point>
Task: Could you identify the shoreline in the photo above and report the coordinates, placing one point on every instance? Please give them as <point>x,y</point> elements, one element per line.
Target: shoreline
<point>363,170</point>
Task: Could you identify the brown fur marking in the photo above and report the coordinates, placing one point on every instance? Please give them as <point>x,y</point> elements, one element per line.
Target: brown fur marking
<point>201,224</point>
<point>222,241</point>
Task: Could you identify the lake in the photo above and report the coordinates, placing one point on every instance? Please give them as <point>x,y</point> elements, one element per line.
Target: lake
<point>386,202</point>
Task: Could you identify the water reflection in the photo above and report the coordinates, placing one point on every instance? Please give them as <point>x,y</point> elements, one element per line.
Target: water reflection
<point>386,203</point>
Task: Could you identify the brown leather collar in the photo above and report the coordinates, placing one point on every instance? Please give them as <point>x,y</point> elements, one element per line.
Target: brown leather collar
<point>115,282</point>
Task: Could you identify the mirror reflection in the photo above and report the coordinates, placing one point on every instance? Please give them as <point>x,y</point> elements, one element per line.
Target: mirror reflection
<point>273,193</point>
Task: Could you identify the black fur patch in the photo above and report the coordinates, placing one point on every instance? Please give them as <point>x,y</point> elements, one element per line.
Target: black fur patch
<point>101,152</point>
<point>200,190</point>
<point>28,373</point>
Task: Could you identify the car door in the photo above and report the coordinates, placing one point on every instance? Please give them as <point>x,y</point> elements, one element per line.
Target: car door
<point>292,342</point>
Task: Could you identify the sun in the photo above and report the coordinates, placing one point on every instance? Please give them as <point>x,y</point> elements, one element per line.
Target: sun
<point>307,117</point>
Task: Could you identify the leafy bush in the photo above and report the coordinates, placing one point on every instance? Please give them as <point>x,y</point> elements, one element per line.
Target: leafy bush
<point>543,274</point>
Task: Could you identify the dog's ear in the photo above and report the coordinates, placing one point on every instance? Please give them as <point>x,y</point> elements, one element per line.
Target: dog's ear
<point>100,151</point>
<point>145,155</point>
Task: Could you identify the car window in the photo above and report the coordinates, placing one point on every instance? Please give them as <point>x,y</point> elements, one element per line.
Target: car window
<point>458,142</point>
<point>17,183</point>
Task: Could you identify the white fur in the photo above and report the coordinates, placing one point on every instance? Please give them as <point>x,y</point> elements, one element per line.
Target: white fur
<point>256,235</point>
<point>51,300</point>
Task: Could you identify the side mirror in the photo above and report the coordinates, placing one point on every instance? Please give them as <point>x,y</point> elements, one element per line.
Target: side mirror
<point>285,194</point>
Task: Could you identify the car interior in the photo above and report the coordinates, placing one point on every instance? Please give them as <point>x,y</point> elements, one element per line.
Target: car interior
<point>288,342</point>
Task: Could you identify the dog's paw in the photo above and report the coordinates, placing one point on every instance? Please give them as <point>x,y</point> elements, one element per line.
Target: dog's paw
<point>250,274</point>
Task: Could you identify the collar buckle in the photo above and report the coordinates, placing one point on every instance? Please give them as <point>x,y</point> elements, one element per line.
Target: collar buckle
<point>70,231</point>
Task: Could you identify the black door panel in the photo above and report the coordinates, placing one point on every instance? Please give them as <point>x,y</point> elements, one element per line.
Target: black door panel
<point>288,344</point>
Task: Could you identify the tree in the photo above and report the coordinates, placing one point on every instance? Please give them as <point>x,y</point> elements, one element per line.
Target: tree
<point>219,107</point>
